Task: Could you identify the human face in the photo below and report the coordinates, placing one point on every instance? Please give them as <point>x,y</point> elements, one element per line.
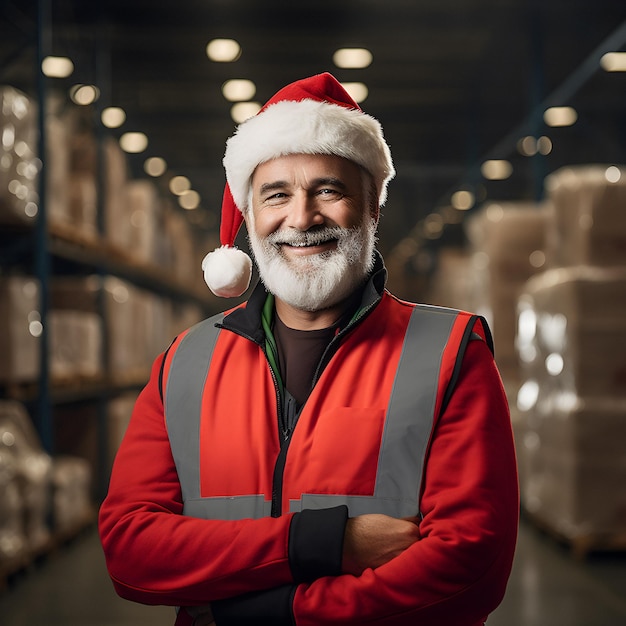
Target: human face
<point>312,228</point>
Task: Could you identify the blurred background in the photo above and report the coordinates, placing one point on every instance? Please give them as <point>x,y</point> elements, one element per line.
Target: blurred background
<point>507,124</point>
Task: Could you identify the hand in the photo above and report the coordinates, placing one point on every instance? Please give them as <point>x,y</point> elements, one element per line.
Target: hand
<point>373,540</point>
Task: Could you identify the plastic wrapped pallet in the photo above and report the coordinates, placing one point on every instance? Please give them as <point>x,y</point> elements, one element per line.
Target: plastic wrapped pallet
<point>574,477</point>
<point>19,329</point>
<point>19,165</point>
<point>507,242</point>
<point>143,206</point>
<point>33,472</point>
<point>572,332</point>
<point>71,493</point>
<point>587,225</point>
<point>13,546</point>
<point>75,345</point>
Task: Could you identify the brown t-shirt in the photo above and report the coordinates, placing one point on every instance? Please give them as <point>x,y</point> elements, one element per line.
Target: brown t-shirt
<point>299,353</point>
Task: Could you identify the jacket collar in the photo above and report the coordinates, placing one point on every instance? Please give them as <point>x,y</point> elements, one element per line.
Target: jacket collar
<point>246,319</point>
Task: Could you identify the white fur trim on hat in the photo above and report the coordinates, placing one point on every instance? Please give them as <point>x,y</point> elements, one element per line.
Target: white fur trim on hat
<point>306,127</point>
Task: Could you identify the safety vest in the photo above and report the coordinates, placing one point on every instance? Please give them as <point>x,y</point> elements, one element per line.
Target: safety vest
<point>362,436</point>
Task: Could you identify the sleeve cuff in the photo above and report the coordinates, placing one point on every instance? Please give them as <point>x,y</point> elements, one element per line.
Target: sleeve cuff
<point>316,543</point>
<point>273,606</point>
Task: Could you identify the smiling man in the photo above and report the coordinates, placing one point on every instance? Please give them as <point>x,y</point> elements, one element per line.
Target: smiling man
<point>323,453</point>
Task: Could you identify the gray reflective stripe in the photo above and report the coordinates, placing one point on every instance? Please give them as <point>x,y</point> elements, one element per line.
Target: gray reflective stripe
<point>411,411</point>
<point>357,505</point>
<point>183,401</point>
<point>229,508</point>
<point>408,425</point>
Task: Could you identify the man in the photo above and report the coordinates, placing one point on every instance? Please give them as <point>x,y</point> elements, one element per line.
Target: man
<point>325,453</point>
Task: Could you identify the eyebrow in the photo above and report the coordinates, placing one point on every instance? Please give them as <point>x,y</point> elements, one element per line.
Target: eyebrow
<point>318,182</point>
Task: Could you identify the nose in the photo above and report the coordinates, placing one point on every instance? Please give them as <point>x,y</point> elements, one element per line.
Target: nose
<point>303,212</point>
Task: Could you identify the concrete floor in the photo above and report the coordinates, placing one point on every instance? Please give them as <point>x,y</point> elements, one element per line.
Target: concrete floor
<point>548,587</point>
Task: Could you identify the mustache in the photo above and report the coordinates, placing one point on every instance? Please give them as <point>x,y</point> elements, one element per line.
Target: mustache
<point>312,237</point>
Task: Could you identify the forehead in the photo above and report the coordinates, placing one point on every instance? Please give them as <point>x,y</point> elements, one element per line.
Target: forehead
<point>310,165</point>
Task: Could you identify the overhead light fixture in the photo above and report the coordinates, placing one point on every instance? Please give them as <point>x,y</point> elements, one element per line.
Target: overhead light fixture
<point>560,116</point>
<point>496,169</point>
<point>357,91</point>
<point>180,185</point>
<point>57,67</point>
<point>242,111</point>
<point>614,62</point>
<point>527,146</point>
<point>238,90</point>
<point>84,95</point>
<point>613,174</point>
<point>189,200</point>
<point>113,117</point>
<point>223,50</point>
<point>133,143</point>
<point>352,58</point>
<point>462,200</point>
<point>155,166</point>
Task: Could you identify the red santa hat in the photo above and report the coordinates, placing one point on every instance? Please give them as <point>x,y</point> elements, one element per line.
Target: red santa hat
<point>314,115</point>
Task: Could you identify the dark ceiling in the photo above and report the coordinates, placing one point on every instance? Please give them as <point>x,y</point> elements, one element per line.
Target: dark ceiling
<point>452,81</point>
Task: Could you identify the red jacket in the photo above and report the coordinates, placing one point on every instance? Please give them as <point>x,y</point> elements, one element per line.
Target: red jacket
<point>289,565</point>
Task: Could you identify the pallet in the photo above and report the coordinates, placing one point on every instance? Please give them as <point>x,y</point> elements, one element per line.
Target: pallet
<point>581,545</point>
<point>13,568</point>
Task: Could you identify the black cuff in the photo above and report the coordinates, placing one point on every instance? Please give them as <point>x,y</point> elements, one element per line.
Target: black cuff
<point>272,607</point>
<point>316,543</point>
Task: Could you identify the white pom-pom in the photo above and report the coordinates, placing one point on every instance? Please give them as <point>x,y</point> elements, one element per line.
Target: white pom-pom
<point>227,271</point>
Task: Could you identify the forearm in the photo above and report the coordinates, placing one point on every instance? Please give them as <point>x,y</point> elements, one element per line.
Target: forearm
<point>157,555</point>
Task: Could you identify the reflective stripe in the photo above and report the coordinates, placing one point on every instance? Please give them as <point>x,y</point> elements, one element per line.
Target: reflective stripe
<point>408,424</point>
<point>228,508</point>
<point>183,401</point>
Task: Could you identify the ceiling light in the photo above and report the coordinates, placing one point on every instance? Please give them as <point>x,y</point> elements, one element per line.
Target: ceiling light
<point>614,62</point>
<point>527,146</point>
<point>357,91</point>
<point>612,174</point>
<point>238,89</point>
<point>352,58</point>
<point>223,50</point>
<point>84,94</point>
<point>560,116</point>
<point>113,117</point>
<point>189,200</point>
<point>544,145</point>
<point>155,166</point>
<point>496,169</point>
<point>462,200</point>
<point>57,67</point>
<point>242,111</point>
<point>179,185</point>
<point>133,142</point>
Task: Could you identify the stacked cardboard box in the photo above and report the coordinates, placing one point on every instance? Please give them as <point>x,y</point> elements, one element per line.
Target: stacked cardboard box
<point>507,247</point>
<point>571,405</point>
<point>19,166</point>
<point>28,485</point>
<point>20,329</point>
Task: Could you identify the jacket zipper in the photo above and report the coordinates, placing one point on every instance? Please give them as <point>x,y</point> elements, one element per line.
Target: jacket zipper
<point>285,430</point>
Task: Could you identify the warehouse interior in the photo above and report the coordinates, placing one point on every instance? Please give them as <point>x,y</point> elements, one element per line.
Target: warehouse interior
<point>506,121</point>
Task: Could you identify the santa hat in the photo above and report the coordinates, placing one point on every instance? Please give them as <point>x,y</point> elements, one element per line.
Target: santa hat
<point>315,115</point>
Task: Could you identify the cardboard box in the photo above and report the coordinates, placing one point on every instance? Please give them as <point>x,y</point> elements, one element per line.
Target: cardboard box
<point>587,224</point>
<point>20,329</point>
<point>572,331</point>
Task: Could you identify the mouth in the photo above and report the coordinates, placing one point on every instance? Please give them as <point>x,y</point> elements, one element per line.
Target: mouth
<point>308,243</point>
<point>309,247</point>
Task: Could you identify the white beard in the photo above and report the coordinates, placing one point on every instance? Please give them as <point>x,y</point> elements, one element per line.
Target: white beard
<point>318,281</point>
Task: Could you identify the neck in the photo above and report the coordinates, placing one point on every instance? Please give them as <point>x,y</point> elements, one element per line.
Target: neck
<point>309,320</point>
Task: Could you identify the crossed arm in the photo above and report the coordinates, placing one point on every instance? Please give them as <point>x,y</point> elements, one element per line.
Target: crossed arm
<point>456,562</point>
